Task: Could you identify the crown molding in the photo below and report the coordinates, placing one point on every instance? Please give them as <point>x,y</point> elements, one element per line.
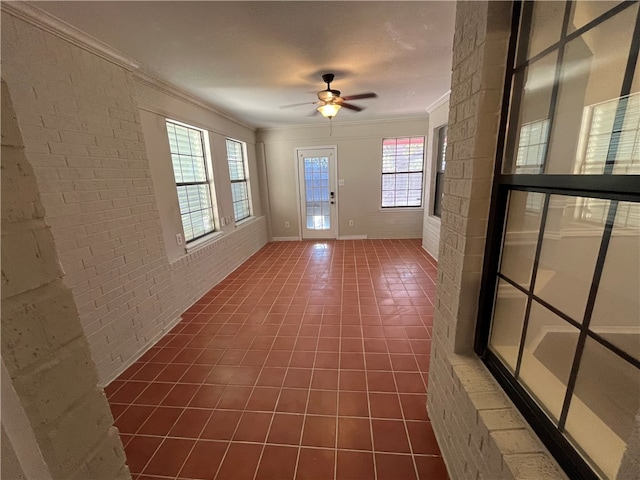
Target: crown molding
<point>175,92</point>
<point>47,22</point>
<point>439,102</point>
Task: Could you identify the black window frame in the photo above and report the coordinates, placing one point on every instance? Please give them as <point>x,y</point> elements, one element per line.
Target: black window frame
<point>615,188</point>
<point>440,165</point>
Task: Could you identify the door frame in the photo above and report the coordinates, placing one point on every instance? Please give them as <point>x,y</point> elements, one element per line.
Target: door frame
<point>296,152</point>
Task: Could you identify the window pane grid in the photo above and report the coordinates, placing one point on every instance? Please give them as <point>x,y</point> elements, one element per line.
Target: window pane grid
<point>560,307</point>
<point>239,180</point>
<point>192,181</point>
<point>402,171</point>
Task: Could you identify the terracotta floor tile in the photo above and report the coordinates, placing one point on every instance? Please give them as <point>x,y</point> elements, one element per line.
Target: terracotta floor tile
<point>354,465</point>
<point>240,462</point>
<point>253,427</point>
<point>393,467</point>
<point>354,433</point>
<point>160,421</point>
<point>431,468</point>
<point>298,378</point>
<point>355,380</point>
<point>128,392</point>
<point>285,429</point>
<point>384,405</point>
<point>190,424</point>
<point>278,462</point>
<point>322,402</point>
<point>263,399</point>
<point>234,397</point>
<point>316,464</point>
<point>133,417</point>
<point>319,431</point>
<point>414,406</point>
<point>423,440</point>
<point>353,404</point>
<point>169,458</point>
<point>300,331</point>
<point>292,400</point>
<point>207,396</point>
<point>221,425</point>
<point>180,395</point>
<point>204,460</point>
<point>139,450</point>
<point>390,436</point>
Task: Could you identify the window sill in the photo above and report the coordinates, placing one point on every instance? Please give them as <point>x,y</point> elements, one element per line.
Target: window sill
<point>201,242</point>
<point>401,209</point>
<point>245,221</point>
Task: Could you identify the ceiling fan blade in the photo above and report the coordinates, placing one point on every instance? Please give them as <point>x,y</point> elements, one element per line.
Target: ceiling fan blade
<point>360,96</point>
<point>351,107</point>
<point>297,105</point>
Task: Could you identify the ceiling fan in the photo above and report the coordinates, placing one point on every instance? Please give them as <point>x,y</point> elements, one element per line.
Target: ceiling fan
<point>330,101</point>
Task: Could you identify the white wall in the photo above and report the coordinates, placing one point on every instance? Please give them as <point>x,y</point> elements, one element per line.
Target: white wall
<point>438,116</point>
<point>110,213</point>
<point>156,106</point>
<point>359,165</point>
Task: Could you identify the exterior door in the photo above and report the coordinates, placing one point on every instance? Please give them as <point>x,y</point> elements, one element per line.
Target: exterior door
<point>317,187</point>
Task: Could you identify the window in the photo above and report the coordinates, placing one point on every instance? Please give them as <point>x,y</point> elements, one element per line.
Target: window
<point>559,307</point>
<point>239,179</point>
<point>402,164</point>
<point>193,179</point>
<point>441,161</point>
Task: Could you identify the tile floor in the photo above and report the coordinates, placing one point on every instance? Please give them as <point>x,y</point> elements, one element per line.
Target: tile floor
<point>309,361</point>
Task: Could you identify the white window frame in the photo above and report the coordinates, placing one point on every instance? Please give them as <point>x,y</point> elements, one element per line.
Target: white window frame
<point>439,165</point>
<point>244,179</point>
<point>191,236</point>
<point>407,171</point>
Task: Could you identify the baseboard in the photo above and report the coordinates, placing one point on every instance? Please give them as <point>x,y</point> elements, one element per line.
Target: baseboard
<point>352,237</point>
<point>285,239</point>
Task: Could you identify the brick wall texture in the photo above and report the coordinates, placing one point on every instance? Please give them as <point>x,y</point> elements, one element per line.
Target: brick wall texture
<point>481,434</point>
<point>43,346</point>
<point>78,115</point>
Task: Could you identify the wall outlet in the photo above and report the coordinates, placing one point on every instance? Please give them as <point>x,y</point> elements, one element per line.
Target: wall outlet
<point>223,221</point>
<point>179,239</point>
<point>351,223</point>
<point>286,225</point>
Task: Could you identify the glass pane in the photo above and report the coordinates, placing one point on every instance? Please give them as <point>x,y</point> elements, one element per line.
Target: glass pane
<point>603,409</point>
<point>584,12</point>
<point>521,236</point>
<point>317,192</point>
<point>570,248</point>
<point>588,107</point>
<point>546,23</point>
<point>537,80</point>
<point>616,312</point>
<point>549,349</point>
<point>506,327</point>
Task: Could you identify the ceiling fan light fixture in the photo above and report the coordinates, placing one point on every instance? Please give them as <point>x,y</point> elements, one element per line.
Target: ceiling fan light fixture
<point>329,110</point>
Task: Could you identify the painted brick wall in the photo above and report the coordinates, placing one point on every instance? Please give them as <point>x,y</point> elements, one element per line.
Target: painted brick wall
<point>46,355</point>
<point>79,118</point>
<point>481,434</point>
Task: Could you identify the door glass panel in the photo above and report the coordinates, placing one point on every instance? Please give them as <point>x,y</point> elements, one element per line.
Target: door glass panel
<point>521,236</point>
<point>569,252</point>
<point>603,408</point>
<point>316,184</point>
<point>508,318</point>
<point>616,312</point>
<point>592,126</point>
<point>547,357</point>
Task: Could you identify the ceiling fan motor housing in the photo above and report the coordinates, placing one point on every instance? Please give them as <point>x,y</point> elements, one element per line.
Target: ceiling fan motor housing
<point>328,95</point>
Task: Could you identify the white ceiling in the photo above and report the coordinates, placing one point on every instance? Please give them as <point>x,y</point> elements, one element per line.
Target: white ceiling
<point>249,58</point>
